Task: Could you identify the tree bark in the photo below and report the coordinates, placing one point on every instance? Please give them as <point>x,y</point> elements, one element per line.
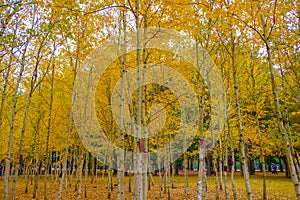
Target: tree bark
<point>86,173</point>
<point>287,144</point>
<point>121,191</point>
<point>12,129</point>
<point>225,140</point>
<point>64,170</point>
<point>37,154</point>
<point>79,183</point>
<point>139,104</point>
<point>240,125</point>
<point>262,157</point>
<point>202,145</point>
<point>49,129</point>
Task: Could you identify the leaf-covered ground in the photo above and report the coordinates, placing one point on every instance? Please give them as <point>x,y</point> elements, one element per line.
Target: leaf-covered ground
<point>278,187</point>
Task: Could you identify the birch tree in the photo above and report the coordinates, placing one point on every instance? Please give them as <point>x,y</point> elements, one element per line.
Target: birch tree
<point>22,62</point>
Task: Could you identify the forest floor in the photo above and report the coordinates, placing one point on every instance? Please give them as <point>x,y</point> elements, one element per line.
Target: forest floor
<point>278,187</point>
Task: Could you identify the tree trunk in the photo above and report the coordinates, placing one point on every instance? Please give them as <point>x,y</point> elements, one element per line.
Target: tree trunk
<point>262,157</point>
<point>240,126</point>
<point>202,144</point>
<point>64,170</point>
<point>251,166</point>
<point>233,163</point>
<point>287,144</point>
<point>110,184</point>
<point>186,174</point>
<point>120,161</point>
<point>86,173</point>
<point>143,110</point>
<point>27,173</point>
<point>11,132</point>
<point>221,162</point>
<point>209,164</point>
<point>286,119</point>
<point>49,130</point>
<point>139,105</point>
<point>19,161</point>
<point>80,168</point>
<point>225,140</point>
<point>77,170</point>
<point>216,171</point>
<point>37,154</point>
<point>73,165</point>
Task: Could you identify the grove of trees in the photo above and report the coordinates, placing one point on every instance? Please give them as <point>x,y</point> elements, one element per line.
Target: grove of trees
<point>45,44</point>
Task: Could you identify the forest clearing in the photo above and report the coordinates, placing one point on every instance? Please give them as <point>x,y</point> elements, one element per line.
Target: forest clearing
<point>152,99</point>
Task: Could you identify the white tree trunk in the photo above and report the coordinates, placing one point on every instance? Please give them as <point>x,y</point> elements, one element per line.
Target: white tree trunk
<point>80,175</point>
<point>216,170</point>
<point>121,181</point>
<point>64,170</point>
<point>49,129</point>
<point>139,105</point>
<point>233,163</point>
<point>36,153</point>
<point>225,139</point>
<point>282,128</point>
<point>202,141</point>
<point>11,133</point>
<point>240,126</point>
